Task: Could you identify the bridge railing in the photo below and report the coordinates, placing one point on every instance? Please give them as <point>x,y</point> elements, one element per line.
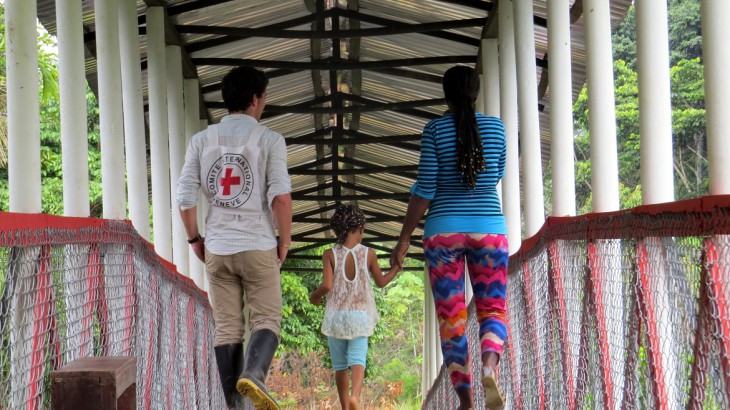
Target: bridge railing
<point>76,287</point>
<point>626,309</point>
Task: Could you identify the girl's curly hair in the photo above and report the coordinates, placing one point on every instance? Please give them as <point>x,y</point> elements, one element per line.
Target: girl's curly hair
<point>346,218</point>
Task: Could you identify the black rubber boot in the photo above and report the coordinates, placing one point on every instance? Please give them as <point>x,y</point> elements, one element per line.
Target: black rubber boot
<point>252,383</point>
<point>230,364</point>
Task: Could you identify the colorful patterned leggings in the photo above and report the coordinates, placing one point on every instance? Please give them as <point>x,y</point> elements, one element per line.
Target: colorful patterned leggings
<point>486,257</point>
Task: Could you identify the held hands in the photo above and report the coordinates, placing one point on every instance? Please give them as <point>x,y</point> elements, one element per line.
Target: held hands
<point>398,256</point>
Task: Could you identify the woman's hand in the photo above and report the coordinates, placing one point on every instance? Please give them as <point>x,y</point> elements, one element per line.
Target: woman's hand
<point>397,258</point>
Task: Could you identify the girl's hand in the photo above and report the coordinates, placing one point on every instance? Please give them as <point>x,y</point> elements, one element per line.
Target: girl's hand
<point>315,300</point>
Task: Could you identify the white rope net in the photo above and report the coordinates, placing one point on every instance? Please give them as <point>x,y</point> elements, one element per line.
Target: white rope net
<point>73,287</point>
<point>623,310</point>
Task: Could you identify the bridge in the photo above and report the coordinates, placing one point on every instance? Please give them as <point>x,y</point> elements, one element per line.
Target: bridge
<point>614,308</point>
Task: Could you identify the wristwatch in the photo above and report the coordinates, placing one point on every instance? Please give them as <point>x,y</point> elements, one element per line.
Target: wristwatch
<point>194,239</point>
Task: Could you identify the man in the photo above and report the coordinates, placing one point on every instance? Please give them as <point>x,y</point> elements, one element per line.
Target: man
<point>241,167</point>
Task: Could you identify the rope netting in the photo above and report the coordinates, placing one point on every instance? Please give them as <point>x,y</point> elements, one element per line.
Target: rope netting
<point>76,287</point>
<point>627,309</point>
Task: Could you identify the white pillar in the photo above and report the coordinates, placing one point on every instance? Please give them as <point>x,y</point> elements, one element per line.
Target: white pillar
<point>508,111</point>
<point>176,124</point>
<point>490,77</point>
<point>604,166</point>
<point>134,126</point>
<point>601,106</point>
<point>111,121</point>
<point>716,54</point>
<point>72,90</point>
<point>432,355</point>
<point>202,213</point>
<point>191,95</point>
<point>529,117</point>
<point>561,108</point>
<point>159,151</point>
<point>655,106</point>
<point>657,160</point>
<point>24,141</point>
<point>479,104</point>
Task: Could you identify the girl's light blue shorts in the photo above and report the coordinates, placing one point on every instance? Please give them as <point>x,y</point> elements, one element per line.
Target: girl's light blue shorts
<point>346,353</point>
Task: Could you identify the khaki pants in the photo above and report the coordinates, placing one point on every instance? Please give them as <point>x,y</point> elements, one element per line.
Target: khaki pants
<point>254,274</point>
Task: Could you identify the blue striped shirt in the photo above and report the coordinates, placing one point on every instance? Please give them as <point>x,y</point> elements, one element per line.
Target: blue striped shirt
<point>454,206</point>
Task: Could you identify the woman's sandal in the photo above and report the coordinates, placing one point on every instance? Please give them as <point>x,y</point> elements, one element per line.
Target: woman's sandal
<point>493,398</point>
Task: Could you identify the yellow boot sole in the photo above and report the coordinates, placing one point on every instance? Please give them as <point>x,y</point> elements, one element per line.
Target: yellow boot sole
<point>261,400</point>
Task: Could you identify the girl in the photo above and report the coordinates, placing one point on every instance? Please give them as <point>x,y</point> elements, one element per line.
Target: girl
<point>350,315</point>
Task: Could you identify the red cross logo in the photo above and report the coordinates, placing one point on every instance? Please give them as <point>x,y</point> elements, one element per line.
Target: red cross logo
<point>229,180</point>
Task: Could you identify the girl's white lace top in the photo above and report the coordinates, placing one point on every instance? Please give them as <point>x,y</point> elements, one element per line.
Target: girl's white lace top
<point>350,310</point>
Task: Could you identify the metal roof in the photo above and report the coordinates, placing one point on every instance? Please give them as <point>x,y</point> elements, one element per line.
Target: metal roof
<point>364,97</point>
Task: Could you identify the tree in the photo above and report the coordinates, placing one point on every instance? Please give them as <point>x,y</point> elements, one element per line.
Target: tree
<point>685,34</point>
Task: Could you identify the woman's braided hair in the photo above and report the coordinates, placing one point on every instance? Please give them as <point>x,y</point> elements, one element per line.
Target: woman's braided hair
<point>461,88</point>
<point>346,218</point>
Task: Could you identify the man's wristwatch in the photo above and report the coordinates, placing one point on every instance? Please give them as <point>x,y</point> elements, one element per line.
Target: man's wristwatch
<point>194,239</point>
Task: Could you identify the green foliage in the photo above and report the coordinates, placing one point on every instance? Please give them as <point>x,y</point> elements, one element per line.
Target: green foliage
<point>685,36</point>
<point>624,39</point>
<point>685,31</point>
<point>301,320</point>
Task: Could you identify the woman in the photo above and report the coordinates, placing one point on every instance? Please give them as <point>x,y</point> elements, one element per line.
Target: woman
<point>462,160</point>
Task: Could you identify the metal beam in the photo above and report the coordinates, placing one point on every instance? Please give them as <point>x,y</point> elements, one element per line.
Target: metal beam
<point>402,197</point>
<point>336,64</point>
<point>205,44</point>
<point>459,38</point>
<point>359,171</point>
<point>392,29</point>
<point>285,268</point>
<point>367,106</point>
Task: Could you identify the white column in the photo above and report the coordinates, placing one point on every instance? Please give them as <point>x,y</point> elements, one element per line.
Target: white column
<point>134,126</point>
<point>111,121</point>
<point>24,141</point>
<point>529,117</point>
<point>655,105</point>
<point>508,111</point>
<point>432,355</point>
<point>561,108</point>
<point>601,106</point>
<point>716,54</point>
<point>657,160</point>
<point>176,124</point>
<point>479,104</point>
<point>191,95</point>
<point>202,213</point>
<point>72,89</point>
<point>490,77</point>
<point>159,151</point>
<point>604,167</point>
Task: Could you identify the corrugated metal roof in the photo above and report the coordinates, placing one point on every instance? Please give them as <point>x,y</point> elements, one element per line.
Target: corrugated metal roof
<point>381,192</point>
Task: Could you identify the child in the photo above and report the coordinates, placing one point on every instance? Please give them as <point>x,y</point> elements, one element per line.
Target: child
<point>350,315</point>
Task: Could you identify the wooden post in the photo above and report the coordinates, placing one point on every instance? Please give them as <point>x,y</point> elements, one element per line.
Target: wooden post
<point>96,383</point>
